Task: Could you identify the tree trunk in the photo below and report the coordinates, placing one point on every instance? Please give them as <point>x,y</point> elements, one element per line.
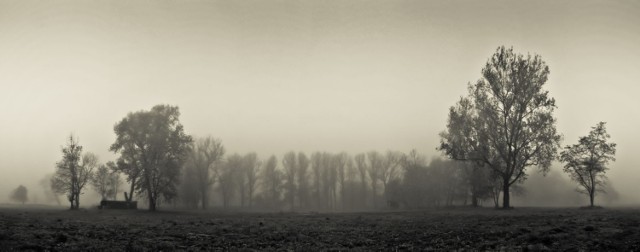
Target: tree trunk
<point>591,196</point>
<point>505,194</point>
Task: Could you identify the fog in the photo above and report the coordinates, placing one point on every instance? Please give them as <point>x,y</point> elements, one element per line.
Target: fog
<point>305,76</point>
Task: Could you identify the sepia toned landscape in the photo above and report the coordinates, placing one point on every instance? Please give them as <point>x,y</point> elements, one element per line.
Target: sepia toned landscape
<point>319,125</point>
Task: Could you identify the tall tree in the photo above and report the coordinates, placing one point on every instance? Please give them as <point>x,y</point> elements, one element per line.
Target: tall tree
<point>376,161</point>
<point>251,167</point>
<point>152,144</point>
<point>303,179</point>
<point>340,161</point>
<point>203,158</point>
<point>231,180</point>
<point>20,194</point>
<point>361,164</point>
<point>73,172</point>
<point>272,182</point>
<point>290,165</point>
<point>586,162</point>
<point>506,122</point>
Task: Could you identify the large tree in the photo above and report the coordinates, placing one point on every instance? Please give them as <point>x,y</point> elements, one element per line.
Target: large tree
<point>73,172</point>
<point>586,162</point>
<point>250,171</point>
<point>152,146</point>
<point>506,122</point>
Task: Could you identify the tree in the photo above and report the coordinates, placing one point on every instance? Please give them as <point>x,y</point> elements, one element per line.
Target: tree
<point>20,194</point>
<point>303,179</point>
<point>48,189</point>
<point>230,179</point>
<point>152,146</point>
<point>73,172</point>
<point>206,153</point>
<point>251,166</point>
<point>361,164</point>
<point>376,161</point>
<point>586,162</point>
<point>290,164</point>
<point>506,122</point>
<point>101,182</point>
<point>272,182</point>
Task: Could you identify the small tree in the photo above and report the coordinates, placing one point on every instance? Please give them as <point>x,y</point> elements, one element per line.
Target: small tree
<point>20,194</point>
<point>101,182</point>
<point>73,172</point>
<point>586,162</point>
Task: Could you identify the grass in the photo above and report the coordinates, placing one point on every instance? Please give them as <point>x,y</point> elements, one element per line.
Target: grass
<point>435,229</point>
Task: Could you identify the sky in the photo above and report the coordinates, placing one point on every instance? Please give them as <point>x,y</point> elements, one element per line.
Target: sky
<point>276,76</point>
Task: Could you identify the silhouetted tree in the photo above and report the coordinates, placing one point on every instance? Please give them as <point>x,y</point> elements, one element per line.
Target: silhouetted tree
<point>303,180</point>
<point>231,180</point>
<point>20,194</point>
<point>101,182</point>
<point>152,144</point>
<point>506,122</point>
<point>361,165</point>
<point>271,182</point>
<point>290,165</point>
<point>250,171</point>
<point>49,192</point>
<point>73,172</point>
<point>376,162</point>
<point>203,158</point>
<point>586,162</point>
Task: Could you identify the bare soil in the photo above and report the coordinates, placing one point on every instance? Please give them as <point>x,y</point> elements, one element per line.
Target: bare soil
<point>524,229</point>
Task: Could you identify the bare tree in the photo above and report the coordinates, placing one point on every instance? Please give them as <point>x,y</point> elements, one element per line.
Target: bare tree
<point>316,167</point>
<point>203,158</point>
<point>340,161</point>
<point>376,161</point>
<point>586,162</point>
<point>231,180</point>
<point>389,169</point>
<point>361,164</point>
<point>272,182</point>
<point>290,165</point>
<point>73,172</point>
<point>101,182</point>
<point>251,166</point>
<point>49,192</point>
<point>506,122</point>
<point>303,179</point>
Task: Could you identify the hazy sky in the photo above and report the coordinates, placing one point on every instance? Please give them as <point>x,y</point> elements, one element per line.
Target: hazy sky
<point>274,76</point>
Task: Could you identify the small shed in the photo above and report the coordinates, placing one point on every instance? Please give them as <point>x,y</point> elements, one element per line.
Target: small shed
<point>118,204</point>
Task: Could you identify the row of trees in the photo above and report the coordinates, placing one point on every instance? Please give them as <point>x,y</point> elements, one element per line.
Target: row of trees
<point>503,126</point>
<point>506,124</point>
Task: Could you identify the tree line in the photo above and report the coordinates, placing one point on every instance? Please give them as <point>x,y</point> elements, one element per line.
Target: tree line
<point>503,126</point>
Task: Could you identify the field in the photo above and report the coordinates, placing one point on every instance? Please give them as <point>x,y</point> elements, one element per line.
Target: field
<point>526,229</point>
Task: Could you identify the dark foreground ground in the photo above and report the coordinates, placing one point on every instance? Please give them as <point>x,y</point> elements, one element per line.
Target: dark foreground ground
<point>525,229</point>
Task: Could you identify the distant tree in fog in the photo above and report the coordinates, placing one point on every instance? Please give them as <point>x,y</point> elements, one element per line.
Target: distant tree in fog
<point>290,165</point>
<point>341,160</point>
<point>20,194</point>
<point>361,165</point>
<point>586,162</point>
<point>49,192</point>
<point>376,162</point>
<point>202,159</point>
<point>250,171</point>
<point>73,172</point>
<point>231,180</point>
<point>101,182</point>
<point>506,121</point>
<point>389,169</point>
<point>271,182</point>
<point>152,146</point>
<point>303,180</point>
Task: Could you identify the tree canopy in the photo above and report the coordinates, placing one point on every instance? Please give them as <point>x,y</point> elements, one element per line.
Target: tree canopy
<point>506,121</point>
<point>152,146</point>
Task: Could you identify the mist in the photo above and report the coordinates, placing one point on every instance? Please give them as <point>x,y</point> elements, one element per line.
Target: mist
<point>271,78</point>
